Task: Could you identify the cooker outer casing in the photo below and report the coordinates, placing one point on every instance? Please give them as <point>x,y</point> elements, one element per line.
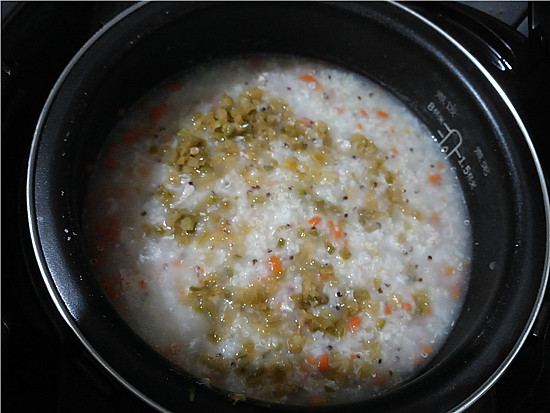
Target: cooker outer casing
<point>461,104</point>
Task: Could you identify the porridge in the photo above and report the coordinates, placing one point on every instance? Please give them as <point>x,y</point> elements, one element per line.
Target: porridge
<point>282,229</point>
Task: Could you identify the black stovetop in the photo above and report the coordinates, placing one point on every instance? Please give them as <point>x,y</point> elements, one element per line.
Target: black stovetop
<point>43,364</point>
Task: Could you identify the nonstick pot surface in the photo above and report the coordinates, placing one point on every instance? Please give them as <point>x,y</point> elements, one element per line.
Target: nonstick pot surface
<point>475,124</point>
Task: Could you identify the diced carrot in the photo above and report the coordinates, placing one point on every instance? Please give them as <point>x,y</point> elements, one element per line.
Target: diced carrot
<point>113,231</point>
<point>177,263</point>
<point>304,367</point>
<point>455,291</point>
<point>394,150</point>
<point>276,265</point>
<point>406,306</point>
<point>380,380</point>
<point>382,114</point>
<point>426,349</point>
<point>308,123</point>
<point>110,163</point>
<point>387,309</point>
<point>318,401</point>
<point>143,172</point>
<point>112,287</point>
<point>440,165</point>
<point>308,78</point>
<point>359,126</point>
<point>337,230</point>
<point>435,178</point>
<point>315,220</point>
<point>354,323</point>
<point>449,270</point>
<point>131,135</point>
<point>158,112</point>
<point>174,85</point>
<point>323,363</point>
<point>364,112</point>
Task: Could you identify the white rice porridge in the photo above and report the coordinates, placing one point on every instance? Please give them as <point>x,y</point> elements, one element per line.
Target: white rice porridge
<point>282,229</point>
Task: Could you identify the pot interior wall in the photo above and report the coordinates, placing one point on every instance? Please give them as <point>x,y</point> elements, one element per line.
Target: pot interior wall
<point>381,41</point>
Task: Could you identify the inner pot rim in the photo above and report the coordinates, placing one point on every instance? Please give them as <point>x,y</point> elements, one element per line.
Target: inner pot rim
<point>52,287</point>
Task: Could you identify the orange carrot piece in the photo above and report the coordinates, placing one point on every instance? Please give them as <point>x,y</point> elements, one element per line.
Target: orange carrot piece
<point>113,232</point>
<point>276,265</point>
<point>394,150</point>
<point>455,291</point>
<point>318,401</point>
<point>110,163</point>
<point>406,306</point>
<point>380,380</point>
<point>364,112</point>
<point>435,178</point>
<point>449,270</point>
<point>143,172</point>
<point>323,363</point>
<point>112,288</point>
<point>158,112</point>
<point>174,85</point>
<point>308,123</point>
<point>426,349</point>
<point>359,126</point>
<point>315,220</point>
<point>337,230</point>
<point>354,323</point>
<point>440,165</point>
<point>308,78</point>
<point>387,309</point>
<point>436,219</point>
<point>382,114</point>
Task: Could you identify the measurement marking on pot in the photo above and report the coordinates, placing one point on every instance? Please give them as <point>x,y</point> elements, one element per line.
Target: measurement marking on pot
<point>450,139</point>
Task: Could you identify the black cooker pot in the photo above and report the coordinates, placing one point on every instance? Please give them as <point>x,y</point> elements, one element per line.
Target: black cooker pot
<point>463,105</point>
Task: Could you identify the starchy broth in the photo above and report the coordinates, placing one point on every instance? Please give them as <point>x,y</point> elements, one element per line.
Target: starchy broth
<point>282,229</point>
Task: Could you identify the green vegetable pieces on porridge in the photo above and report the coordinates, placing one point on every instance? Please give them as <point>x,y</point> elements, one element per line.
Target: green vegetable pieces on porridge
<point>282,229</point>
